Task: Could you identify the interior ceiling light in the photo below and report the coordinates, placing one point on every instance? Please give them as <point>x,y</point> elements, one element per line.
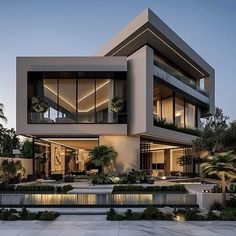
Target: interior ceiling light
<point>87,95</point>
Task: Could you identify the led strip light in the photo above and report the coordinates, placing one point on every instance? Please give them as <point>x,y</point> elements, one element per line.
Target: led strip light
<point>165,44</point>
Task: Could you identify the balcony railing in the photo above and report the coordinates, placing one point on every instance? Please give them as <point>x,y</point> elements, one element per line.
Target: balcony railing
<point>190,82</point>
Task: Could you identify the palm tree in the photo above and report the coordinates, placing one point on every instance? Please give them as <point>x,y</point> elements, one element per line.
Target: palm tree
<point>223,165</point>
<point>102,156</point>
<point>2,116</point>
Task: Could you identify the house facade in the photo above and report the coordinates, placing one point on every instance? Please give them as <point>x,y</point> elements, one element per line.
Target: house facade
<point>143,93</point>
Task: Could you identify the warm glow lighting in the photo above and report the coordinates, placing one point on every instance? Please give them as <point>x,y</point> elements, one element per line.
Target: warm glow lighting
<point>51,90</point>
<point>87,110</point>
<point>87,95</point>
<point>180,218</point>
<point>165,44</point>
<point>91,108</point>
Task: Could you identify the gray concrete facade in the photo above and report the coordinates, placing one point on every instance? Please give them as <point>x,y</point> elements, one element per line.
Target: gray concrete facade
<point>133,51</point>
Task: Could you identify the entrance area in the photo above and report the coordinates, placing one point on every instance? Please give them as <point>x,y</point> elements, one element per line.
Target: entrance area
<point>165,159</point>
<point>62,156</point>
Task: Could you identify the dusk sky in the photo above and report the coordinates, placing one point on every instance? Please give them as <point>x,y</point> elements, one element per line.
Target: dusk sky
<point>80,28</point>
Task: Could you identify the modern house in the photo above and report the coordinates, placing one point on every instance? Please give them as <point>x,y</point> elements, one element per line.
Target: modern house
<point>143,93</point>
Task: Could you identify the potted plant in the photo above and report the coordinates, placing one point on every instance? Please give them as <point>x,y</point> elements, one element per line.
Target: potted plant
<point>38,105</point>
<point>117,104</point>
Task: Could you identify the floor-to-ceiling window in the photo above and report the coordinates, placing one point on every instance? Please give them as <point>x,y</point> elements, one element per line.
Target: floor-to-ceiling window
<point>172,107</point>
<point>77,97</point>
<point>166,159</point>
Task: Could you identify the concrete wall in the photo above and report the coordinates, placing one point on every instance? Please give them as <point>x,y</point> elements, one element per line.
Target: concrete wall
<point>25,64</point>
<point>138,96</point>
<point>140,77</point>
<point>27,163</point>
<point>128,149</point>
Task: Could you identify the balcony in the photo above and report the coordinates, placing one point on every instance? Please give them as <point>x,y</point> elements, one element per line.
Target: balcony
<point>181,84</point>
<point>188,81</point>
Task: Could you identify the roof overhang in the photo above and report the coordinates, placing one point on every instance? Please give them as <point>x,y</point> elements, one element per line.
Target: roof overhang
<point>148,29</point>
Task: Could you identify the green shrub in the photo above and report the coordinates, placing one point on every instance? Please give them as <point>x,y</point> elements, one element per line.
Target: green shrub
<point>32,216</point>
<point>228,215</point>
<point>100,179</point>
<point>192,214</point>
<point>163,123</point>
<point>136,216</point>
<point>212,216</point>
<point>48,215</point>
<point>5,186</point>
<point>189,214</point>
<point>5,214</point>
<point>34,188</point>
<point>66,188</point>
<point>216,206</point>
<point>152,213</point>
<point>110,214</point>
<point>118,217</point>
<point>13,217</point>
<point>23,213</point>
<point>140,188</point>
<point>58,189</point>
<point>232,202</point>
<point>13,211</point>
<point>128,214</point>
<point>168,216</point>
<point>128,188</point>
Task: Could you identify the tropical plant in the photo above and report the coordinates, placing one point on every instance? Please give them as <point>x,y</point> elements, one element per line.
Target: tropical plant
<point>117,104</point>
<point>102,156</point>
<point>223,166</point>
<point>163,123</point>
<point>38,105</point>
<point>8,141</point>
<point>11,169</point>
<point>2,116</point>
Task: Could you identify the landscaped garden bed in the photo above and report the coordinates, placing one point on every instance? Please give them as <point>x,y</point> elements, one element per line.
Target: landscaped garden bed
<point>24,214</point>
<point>171,214</point>
<point>132,177</point>
<point>149,189</point>
<point>11,188</point>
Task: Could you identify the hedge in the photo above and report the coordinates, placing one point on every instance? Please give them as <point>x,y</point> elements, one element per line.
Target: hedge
<point>140,188</point>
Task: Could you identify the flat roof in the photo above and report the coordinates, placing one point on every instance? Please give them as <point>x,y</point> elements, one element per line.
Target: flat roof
<point>148,29</point>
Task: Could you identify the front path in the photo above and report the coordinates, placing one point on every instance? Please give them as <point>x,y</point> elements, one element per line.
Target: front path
<point>74,225</point>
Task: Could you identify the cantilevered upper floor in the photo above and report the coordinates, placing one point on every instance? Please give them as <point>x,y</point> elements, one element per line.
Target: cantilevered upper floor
<point>173,60</point>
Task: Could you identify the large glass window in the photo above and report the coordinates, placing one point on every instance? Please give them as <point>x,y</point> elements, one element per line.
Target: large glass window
<point>179,112</point>
<point>162,102</point>
<point>168,104</point>
<point>190,115</point>
<point>103,98</point>
<point>86,101</point>
<point>67,101</point>
<point>76,97</point>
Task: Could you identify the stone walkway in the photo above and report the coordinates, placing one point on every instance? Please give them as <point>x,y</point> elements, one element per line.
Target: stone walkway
<point>97,225</point>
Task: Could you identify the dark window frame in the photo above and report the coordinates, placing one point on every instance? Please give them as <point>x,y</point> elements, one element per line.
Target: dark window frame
<point>114,75</point>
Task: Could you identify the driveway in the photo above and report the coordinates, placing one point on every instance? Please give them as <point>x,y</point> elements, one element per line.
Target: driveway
<point>74,225</point>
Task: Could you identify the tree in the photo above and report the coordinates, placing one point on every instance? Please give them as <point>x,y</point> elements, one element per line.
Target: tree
<point>230,137</point>
<point>102,156</point>
<point>2,116</point>
<point>222,165</point>
<point>10,169</point>
<point>26,150</point>
<point>212,135</point>
<point>8,141</point>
